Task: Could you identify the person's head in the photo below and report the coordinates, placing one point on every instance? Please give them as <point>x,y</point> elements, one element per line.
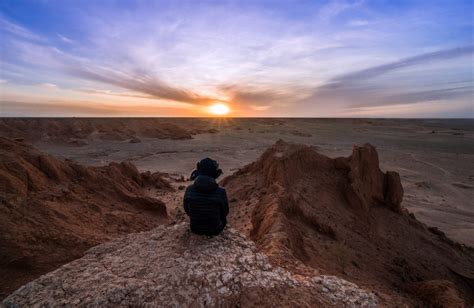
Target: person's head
<point>207,167</point>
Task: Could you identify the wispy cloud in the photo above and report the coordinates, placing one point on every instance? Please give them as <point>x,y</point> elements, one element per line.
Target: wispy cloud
<point>376,86</point>
<point>378,70</point>
<point>65,39</point>
<point>334,8</point>
<point>114,93</point>
<point>48,86</point>
<point>416,97</point>
<point>142,82</point>
<point>358,23</point>
<point>136,79</point>
<point>260,107</point>
<point>17,30</point>
<point>83,108</point>
<point>261,98</point>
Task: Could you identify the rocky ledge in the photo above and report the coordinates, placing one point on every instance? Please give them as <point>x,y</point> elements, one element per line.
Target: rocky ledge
<point>169,266</point>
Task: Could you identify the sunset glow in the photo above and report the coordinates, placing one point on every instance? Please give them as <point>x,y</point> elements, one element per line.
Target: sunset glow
<point>331,58</point>
<point>219,109</point>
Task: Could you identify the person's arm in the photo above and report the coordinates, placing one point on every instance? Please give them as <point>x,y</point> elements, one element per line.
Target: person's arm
<point>225,204</point>
<point>186,202</point>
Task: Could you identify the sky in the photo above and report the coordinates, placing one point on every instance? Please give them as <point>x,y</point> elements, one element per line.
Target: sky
<point>411,59</point>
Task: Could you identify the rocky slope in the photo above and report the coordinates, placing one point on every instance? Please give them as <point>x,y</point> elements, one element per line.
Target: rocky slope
<point>345,217</point>
<point>51,211</point>
<point>171,267</point>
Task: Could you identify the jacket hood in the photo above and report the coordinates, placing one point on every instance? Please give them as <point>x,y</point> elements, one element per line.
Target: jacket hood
<point>204,183</point>
<point>207,167</point>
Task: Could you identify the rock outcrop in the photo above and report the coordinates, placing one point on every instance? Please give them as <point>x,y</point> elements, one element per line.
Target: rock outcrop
<point>344,217</point>
<point>169,266</point>
<point>438,293</point>
<point>368,185</point>
<point>51,211</point>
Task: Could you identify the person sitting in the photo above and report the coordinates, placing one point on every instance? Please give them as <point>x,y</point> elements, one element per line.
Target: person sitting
<point>204,201</point>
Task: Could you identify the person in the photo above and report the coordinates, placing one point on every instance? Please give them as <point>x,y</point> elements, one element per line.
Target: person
<point>204,201</point>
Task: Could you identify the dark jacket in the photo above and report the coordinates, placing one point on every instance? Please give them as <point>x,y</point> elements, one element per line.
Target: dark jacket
<point>206,205</point>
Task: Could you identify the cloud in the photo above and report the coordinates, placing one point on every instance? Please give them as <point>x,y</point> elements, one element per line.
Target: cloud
<point>455,109</point>
<point>83,108</point>
<point>378,70</point>
<point>18,30</point>
<point>129,74</point>
<point>65,39</point>
<point>48,86</point>
<point>16,108</point>
<point>367,88</point>
<point>358,23</point>
<point>334,8</point>
<point>113,93</point>
<point>263,97</point>
<point>417,97</point>
<point>134,78</point>
<point>142,82</point>
<point>261,107</point>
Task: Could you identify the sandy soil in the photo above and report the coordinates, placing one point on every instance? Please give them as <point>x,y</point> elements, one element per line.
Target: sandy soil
<point>435,158</point>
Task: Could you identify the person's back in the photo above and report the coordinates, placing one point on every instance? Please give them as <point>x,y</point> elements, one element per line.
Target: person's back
<point>204,201</point>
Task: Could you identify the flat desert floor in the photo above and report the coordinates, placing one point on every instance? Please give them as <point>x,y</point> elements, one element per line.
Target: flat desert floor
<point>435,158</point>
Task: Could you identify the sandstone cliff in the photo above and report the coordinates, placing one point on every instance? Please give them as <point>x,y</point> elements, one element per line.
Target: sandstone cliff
<point>344,217</point>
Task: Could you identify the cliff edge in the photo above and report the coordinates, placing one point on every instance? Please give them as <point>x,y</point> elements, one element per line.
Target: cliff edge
<point>169,266</point>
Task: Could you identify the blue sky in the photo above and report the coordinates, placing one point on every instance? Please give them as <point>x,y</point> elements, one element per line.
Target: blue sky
<point>262,58</point>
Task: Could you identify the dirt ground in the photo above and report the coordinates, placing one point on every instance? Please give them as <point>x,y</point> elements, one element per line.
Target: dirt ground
<point>435,158</point>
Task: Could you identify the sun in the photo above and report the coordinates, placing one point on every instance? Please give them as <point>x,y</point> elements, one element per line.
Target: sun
<point>219,109</point>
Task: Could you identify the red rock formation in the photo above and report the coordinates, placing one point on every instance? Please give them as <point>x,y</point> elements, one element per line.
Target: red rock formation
<point>369,186</point>
<point>438,293</point>
<point>341,216</point>
<point>51,211</point>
